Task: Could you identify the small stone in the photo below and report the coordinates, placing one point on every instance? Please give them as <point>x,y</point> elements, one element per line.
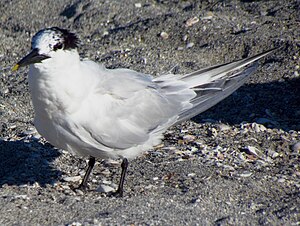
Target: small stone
<point>164,35</point>
<point>138,5</point>
<point>25,197</point>
<point>105,172</point>
<point>72,179</point>
<point>253,150</point>
<point>281,180</point>
<point>190,45</point>
<point>105,33</point>
<point>111,162</point>
<point>258,127</point>
<point>75,224</point>
<point>212,132</point>
<point>30,131</point>
<point>36,137</point>
<point>220,156</point>
<point>245,174</point>
<point>296,147</point>
<point>190,22</point>
<point>242,157</point>
<point>273,154</point>
<point>13,126</point>
<point>208,16</point>
<point>224,127</point>
<point>228,167</point>
<point>79,192</point>
<point>189,137</point>
<point>103,188</point>
<point>184,38</point>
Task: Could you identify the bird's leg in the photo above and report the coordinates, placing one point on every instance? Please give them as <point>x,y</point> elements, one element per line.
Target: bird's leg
<point>124,166</point>
<point>91,164</point>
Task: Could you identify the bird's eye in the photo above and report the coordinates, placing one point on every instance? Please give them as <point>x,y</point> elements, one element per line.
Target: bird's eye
<point>58,46</point>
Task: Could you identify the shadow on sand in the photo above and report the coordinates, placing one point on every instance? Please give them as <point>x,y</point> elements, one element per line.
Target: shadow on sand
<point>26,163</point>
<point>275,104</point>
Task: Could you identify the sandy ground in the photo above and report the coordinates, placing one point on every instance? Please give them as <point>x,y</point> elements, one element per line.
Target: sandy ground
<point>236,164</point>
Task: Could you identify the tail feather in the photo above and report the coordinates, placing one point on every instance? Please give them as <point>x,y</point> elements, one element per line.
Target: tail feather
<point>208,98</point>
<point>215,83</point>
<point>213,73</point>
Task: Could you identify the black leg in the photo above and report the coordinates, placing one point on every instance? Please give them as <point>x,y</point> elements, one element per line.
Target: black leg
<point>91,164</point>
<point>124,166</point>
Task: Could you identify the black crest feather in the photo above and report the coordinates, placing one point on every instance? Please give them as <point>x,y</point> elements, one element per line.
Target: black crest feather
<point>71,41</point>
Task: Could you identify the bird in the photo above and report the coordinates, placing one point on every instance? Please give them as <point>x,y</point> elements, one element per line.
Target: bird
<point>89,110</point>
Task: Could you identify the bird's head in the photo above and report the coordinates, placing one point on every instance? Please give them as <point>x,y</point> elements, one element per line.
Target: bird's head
<point>45,43</point>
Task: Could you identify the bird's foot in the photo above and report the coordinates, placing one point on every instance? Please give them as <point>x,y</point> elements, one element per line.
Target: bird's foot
<point>117,194</point>
<point>81,187</point>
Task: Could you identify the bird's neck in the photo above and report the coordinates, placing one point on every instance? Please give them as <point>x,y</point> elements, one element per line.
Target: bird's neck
<point>57,81</point>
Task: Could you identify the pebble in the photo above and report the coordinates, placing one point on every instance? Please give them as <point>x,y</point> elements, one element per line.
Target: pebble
<point>245,174</point>
<point>258,127</point>
<point>212,132</point>
<point>138,5</point>
<point>228,167</point>
<point>190,45</point>
<point>190,22</point>
<point>79,192</point>
<point>103,188</point>
<point>273,154</point>
<point>208,16</point>
<point>111,162</point>
<point>281,180</point>
<point>105,172</point>
<point>36,137</point>
<point>30,131</point>
<point>241,156</point>
<point>189,137</point>
<point>254,151</point>
<point>75,224</point>
<point>25,197</point>
<point>224,127</point>
<point>296,147</point>
<point>72,179</point>
<point>12,126</point>
<point>164,35</point>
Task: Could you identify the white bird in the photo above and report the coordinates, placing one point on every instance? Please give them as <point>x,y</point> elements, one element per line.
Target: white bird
<point>86,109</point>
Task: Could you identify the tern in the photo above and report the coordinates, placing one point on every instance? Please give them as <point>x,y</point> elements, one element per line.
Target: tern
<point>84,108</point>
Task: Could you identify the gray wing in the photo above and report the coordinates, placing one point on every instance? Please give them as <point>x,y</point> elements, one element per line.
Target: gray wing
<point>130,108</point>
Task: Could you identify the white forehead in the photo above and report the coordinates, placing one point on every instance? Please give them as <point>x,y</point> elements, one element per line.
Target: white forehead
<point>46,39</point>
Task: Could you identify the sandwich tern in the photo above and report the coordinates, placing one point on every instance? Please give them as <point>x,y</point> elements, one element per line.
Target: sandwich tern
<point>84,108</point>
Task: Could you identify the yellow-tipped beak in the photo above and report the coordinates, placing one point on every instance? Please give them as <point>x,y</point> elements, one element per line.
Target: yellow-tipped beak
<point>31,58</point>
<point>16,67</point>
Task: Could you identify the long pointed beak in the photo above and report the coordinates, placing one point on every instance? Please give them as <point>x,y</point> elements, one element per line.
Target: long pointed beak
<point>31,58</point>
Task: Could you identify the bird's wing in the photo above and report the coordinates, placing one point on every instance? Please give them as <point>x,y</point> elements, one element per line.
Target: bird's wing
<point>126,107</point>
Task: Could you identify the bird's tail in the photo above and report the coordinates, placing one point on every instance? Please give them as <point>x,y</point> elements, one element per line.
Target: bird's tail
<point>215,83</point>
